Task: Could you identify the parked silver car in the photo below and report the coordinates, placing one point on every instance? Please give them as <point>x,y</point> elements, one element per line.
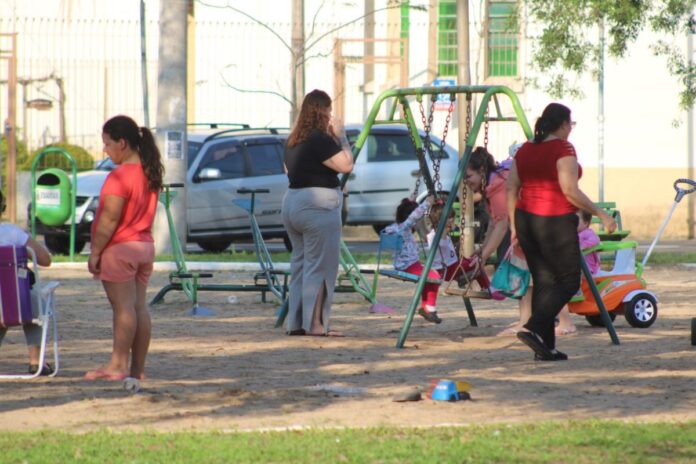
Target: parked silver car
<point>220,163</point>
<point>386,171</point>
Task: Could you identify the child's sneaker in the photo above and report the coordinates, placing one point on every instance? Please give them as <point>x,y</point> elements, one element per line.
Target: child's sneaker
<point>430,316</point>
<point>496,294</point>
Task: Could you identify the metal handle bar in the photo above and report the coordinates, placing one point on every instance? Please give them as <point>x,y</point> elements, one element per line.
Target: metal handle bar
<point>174,185</point>
<point>681,193</point>
<point>244,191</point>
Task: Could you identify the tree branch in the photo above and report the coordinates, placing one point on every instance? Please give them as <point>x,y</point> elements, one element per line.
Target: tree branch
<point>355,20</point>
<point>257,21</point>
<point>270,92</point>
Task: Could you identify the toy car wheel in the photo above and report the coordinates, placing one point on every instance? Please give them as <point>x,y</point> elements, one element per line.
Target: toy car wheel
<point>641,311</point>
<point>596,321</point>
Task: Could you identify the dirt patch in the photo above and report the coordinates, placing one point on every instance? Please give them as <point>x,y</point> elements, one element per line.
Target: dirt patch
<point>236,371</point>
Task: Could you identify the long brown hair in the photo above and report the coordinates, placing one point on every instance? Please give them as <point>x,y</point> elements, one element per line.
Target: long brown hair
<point>312,116</point>
<point>141,140</point>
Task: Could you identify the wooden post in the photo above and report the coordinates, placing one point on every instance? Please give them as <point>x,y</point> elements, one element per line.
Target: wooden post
<point>464,78</point>
<point>432,40</point>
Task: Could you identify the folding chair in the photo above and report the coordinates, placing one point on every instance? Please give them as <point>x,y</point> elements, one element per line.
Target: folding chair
<point>17,299</point>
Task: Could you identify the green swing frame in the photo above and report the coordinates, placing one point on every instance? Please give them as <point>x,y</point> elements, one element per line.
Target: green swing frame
<point>488,95</point>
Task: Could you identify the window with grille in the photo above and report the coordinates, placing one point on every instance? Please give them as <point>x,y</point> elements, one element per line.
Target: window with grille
<point>447,38</point>
<point>502,43</point>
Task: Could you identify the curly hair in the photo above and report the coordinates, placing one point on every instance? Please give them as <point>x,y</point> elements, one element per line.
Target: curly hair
<point>435,214</point>
<point>141,140</point>
<point>481,160</point>
<point>313,116</point>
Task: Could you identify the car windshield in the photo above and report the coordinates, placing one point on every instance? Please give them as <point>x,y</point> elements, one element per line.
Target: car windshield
<point>193,148</point>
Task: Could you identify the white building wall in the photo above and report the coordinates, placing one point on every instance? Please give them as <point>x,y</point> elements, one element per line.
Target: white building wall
<point>95,47</point>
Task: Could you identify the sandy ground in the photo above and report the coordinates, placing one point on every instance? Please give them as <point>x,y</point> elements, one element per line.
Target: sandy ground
<point>235,371</point>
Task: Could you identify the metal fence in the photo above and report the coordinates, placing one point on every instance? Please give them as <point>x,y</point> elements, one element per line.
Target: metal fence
<point>98,63</point>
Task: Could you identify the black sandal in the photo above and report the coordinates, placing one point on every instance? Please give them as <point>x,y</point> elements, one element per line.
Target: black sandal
<point>45,371</point>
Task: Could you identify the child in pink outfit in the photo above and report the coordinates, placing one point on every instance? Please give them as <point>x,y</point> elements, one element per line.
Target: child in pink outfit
<point>588,238</point>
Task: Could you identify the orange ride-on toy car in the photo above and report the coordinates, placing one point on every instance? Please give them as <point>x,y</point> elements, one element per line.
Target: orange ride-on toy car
<point>623,290</point>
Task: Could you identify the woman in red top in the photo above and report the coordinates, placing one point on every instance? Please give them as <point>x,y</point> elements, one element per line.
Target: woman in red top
<point>122,247</point>
<point>542,198</point>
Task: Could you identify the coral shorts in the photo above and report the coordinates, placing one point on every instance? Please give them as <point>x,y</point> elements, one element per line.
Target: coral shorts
<point>127,261</point>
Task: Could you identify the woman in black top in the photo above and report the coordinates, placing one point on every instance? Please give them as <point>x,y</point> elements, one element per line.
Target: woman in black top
<point>314,156</point>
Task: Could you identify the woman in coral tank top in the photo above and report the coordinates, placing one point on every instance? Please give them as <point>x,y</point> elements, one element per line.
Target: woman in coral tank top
<point>542,198</point>
<point>122,248</point>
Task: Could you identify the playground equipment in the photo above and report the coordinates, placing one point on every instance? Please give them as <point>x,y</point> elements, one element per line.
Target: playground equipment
<point>623,289</point>
<point>53,195</point>
<point>487,95</point>
<point>188,282</point>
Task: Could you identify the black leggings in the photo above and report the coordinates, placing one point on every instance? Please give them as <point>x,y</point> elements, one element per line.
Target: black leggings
<point>550,244</point>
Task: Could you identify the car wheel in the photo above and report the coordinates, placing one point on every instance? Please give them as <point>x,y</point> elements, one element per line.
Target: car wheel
<point>596,321</point>
<point>60,244</point>
<point>641,311</point>
<point>214,246</point>
<point>287,242</point>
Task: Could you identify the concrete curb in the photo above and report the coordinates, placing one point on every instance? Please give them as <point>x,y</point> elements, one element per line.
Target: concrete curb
<point>198,266</point>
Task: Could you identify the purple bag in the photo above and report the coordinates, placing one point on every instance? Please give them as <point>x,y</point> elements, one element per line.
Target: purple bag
<point>15,299</point>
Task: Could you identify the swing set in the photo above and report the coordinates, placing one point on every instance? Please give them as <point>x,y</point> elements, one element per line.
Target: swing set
<point>487,96</point>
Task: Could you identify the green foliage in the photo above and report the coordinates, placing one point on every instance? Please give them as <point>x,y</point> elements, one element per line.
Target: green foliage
<point>568,45</point>
<point>581,442</point>
<point>82,158</point>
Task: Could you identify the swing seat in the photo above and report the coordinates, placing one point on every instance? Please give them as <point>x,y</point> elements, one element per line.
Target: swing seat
<point>468,293</point>
<point>393,242</point>
<point>406,276</point>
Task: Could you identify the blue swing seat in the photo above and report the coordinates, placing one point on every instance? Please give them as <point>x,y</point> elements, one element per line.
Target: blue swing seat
<point>394,242</point>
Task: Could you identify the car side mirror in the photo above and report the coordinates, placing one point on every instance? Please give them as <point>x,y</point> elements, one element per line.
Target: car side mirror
<point>209,174</point>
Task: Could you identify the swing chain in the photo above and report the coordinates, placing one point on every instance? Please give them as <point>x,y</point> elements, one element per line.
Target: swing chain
<point>485,131</point>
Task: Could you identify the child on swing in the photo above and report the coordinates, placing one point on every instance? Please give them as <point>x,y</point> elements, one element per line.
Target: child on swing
<point>407,259</point>
<point>446,261</point>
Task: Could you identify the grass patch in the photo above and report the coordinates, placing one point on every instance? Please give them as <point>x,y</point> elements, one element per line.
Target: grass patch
<point>577,442</point>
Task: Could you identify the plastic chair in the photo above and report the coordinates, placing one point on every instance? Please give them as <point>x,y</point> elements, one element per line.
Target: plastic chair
<point>17,300</point>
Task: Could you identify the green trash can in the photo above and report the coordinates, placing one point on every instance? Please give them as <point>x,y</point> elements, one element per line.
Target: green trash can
<point>53,202</point>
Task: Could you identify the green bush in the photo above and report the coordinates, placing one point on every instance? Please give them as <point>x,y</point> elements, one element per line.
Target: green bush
<point>22,156</point>
<point>82,158</point>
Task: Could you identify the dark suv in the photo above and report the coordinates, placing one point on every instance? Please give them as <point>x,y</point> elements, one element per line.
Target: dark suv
<point>219,163</point>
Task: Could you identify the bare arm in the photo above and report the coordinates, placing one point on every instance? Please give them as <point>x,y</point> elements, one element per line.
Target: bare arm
<point>512,190</point>
<point>108,221</point>
<point>43,257</point>
<point>568,179</point>
<point>341,162</point>
<point>494,237</point>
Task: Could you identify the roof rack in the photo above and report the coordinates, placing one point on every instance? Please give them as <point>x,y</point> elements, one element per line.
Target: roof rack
<point>269,130</point>
<point>216,125</point>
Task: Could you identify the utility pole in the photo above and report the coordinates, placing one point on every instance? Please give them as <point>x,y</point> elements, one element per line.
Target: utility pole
<point>690,144</point>
<point>368,54</point>
<point>171,114</point>
<point>464,78</point>
<point>297,62</point>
